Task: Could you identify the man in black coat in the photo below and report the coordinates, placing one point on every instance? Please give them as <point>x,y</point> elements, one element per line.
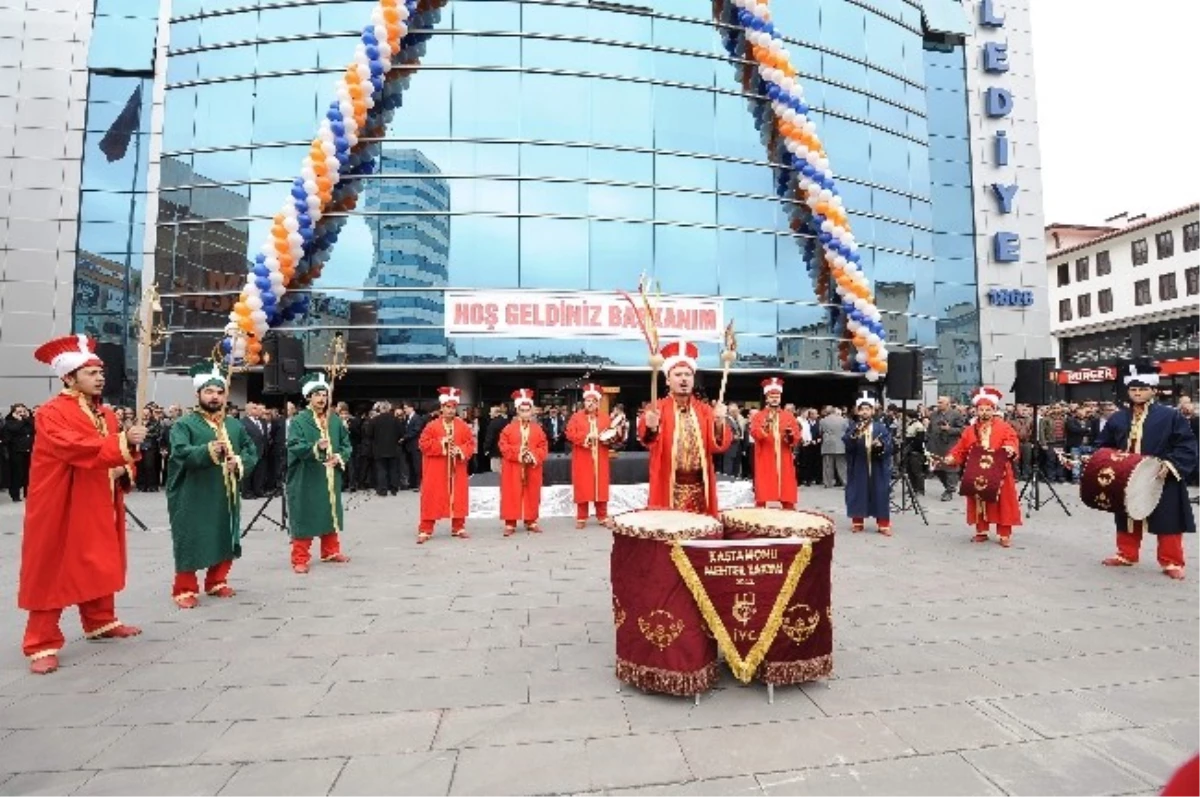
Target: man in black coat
<point>17,437</point>
<point>414,424</point>
<point>254,483</point>
<point>385,446</point>
<point>491,437</point>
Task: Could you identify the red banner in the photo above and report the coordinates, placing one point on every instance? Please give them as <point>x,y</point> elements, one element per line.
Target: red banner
<point>744,589</point>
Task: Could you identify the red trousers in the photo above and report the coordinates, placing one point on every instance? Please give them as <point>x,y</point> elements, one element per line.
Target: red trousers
<point>214,579</point>
<point>43,637</point>
<point>784,504</point>
<point>456,525</point>
<point>330,547</point>
<point>1170,547</point>
<point>581,510</point>
<point>1004,531</point>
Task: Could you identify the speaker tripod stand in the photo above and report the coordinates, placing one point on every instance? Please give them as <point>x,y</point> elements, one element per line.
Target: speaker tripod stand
<point>908,494</point>
<point>1037,477</point>
<point>282,523</point>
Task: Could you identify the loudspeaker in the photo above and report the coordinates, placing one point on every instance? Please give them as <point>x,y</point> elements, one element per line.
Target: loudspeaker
<point>113,355</point>
<point>283,364</point>
<point>1033,384</point>
<point>903,381</point>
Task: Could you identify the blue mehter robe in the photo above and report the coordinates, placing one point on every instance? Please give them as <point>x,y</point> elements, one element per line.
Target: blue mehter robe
<point>1166,435</point>
<point>868,495</point>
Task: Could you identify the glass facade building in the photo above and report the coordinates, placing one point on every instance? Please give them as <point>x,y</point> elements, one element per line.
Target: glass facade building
<point>575,146</point>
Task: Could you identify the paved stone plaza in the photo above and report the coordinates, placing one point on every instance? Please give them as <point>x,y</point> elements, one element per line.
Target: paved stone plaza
<point>486,667</point>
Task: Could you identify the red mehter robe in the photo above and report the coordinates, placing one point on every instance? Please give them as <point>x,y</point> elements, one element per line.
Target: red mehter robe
<point>663,448</point>
<point>437,484</point>
<point>521,485</point>
<point>590,467</point>
<point>73,548</point>
<point>774,465</point>
<point>1007,510</point>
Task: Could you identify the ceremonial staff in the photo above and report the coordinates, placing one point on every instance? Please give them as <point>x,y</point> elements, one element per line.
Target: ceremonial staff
<point>227,362</point>
<point>149,335</point>
<point>649,326</point>
<point>335,369</point>
<point>728,356</point>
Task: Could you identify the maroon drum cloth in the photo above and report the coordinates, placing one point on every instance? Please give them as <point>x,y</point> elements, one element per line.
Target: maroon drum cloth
<point>983,474</point>
<point>803,648</point>
<point>663,644</point>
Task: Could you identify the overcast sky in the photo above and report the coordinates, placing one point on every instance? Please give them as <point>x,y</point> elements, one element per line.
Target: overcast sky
<point>1118,106</point>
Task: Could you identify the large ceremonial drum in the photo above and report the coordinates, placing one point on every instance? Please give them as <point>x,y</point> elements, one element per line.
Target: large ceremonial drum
<point>663,644</point>
<point>983,473</point>
<point>803,648</point>
<point>1121,482</point>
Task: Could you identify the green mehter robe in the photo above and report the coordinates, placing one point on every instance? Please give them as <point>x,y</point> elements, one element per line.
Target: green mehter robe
<point>311,485</point>
<point>204,508</point>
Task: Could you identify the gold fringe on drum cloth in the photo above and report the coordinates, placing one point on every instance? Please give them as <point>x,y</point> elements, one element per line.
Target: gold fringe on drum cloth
<point>794,672</point>
<point>743,669</point>
<point>652,679</point>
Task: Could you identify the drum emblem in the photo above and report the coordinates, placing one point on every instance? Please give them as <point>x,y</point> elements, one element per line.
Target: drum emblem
<point>1106,476</point>
<point>618,613</point>
<point>1117,456</point>
<point>743,607</point>
<point>985,462</point>
<point>1103,502</point>
<point>660,628</point>
<point>981,482</point>
<point>800,621</point>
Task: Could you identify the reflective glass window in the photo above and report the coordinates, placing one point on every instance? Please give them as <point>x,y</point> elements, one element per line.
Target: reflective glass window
<point>566,118</point>
<point>484,104</point>
<point>122,43</point>
<point>547,198</point>
<point>885,41</point>
<point>294,20</point>
<point>554,253</point>
<point>686,256</point>
<point>683,119</point>
<point>620,113</point>
<point>843,27</point>
<point>619,253</point>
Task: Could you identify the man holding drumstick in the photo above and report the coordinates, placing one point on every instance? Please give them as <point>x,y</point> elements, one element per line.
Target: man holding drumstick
<point>682,434</point>
<point>1154,430</point>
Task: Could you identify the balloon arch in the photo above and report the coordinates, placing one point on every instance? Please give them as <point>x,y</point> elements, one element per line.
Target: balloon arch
<point>346,147</point>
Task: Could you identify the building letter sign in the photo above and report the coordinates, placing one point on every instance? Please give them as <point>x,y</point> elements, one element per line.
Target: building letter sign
<point>998,104</point>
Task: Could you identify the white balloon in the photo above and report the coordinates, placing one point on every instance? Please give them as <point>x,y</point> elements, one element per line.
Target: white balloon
<point>254,303</point>
<point>860,304</point>
<point>290,223</point>
<point>258,316</point>
<point>402,10</point>
<point>310,188</point>
<point>314,201</point>
<point>873,338</point>
<point>295,239</point>
<point>276,277</point>
<point>278,290</point>
<point>861,357</point>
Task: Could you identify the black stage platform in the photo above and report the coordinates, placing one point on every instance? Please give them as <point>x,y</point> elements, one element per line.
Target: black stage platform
<point>627,468</point>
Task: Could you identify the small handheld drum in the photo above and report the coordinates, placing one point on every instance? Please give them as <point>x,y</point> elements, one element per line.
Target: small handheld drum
<point>608,436</point>
<point>983,473</point>
<point>803,649</point>
<point>1121,482</point>
<point>663,643</point>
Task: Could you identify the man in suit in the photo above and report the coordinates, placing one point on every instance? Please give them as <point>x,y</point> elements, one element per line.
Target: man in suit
<point>385,445</point>
<point>946,426</point>
<point>491,438</point>
<point>833,447</point>
<point>277,448</point>
<point>554,427</point>
<point>254,484</point>
<point>414,424</point>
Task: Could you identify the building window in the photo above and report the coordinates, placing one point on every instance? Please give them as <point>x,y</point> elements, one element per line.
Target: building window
<point>1191,236</point>
<point>1192,278</point>
<point>1165,243</point>
<point>1103,264</point>
<point>1104,299</point>
<point>1081,269</point>
<point>1064,310</point>
<point>1166,287</point>
<point>1141,292</point>
<point>1141,253</point>
<point>1064,275</point>
<point>1085,305</point>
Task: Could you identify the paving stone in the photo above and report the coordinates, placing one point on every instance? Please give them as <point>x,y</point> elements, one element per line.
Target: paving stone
<point>313,777</point>
<point>1016,648</point>
<point>264,702</point>
<point>322,737</point>
<point>573,634</point>
<point>781,746</point>
<point>277,671</point>
<point>744,786</point>
<point>405,666</point>
<point>943,774</point>
<point>926,656</point>
<point>522,769</point>
<point>163,675</point>
<point>946,728</point>
<point>235,630</point>
<point>573,657</point>
<point>635,760</point>
<point>71,678</point>
<point>521,660</point>
<point>49,783</point>
<point>183,780</point>
<point>408,774</point>
<point>325,626</point>
<point>731,705</point>
<point>901,691</point>
<point>1054,766</point>
<point>370,697</point>
<point>54,749</point>
<point>1062,714</point>
<point>61,711</point>
<point>159,745</point>
<point>534,722</point>
<point>148,708</point>
<point>1150,753</point>
<point>1148,703</point>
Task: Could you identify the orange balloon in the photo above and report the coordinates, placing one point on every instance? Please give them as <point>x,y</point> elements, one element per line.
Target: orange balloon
<point>391,15</point>
<point>240,308</point>
<point>246,324</point>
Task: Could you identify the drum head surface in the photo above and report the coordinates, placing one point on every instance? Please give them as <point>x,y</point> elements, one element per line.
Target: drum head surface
<point>771,522</point>
<point>666,523</point>
<point>1144,489</point>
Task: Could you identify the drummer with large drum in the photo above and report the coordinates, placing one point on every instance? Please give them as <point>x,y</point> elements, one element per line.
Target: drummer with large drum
<point>682,433</point>
<point>1150,429</point>
<point>987,450</point>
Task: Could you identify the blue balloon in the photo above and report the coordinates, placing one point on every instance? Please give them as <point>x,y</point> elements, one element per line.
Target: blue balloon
<point>307,234</point>
<point>260,258</point>
<point>268,299</point>
<point>263,283</point>
<point>369,38</point>
<point>261,271</point>
<point>226,345</point>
